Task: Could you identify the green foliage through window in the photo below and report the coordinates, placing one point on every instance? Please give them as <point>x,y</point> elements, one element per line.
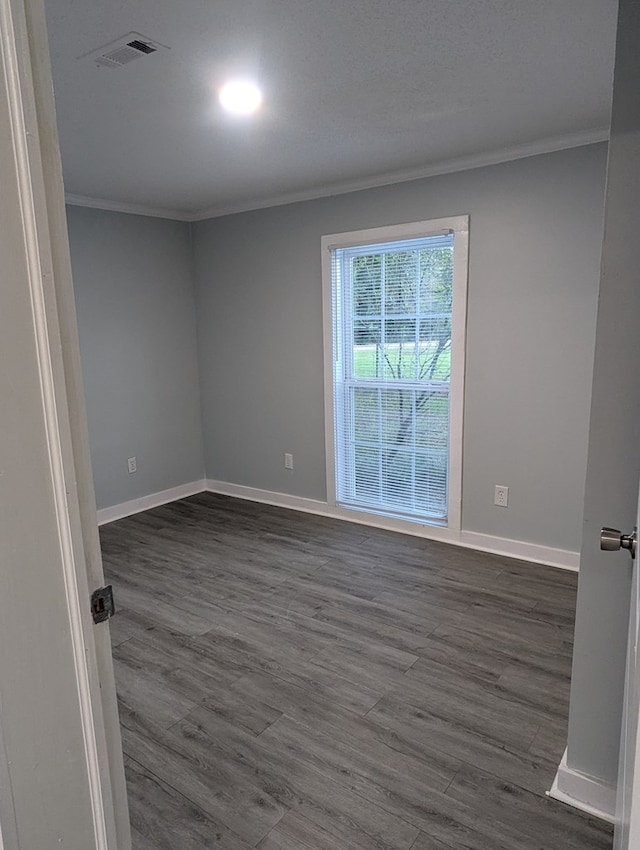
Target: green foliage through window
<point>393,314</point>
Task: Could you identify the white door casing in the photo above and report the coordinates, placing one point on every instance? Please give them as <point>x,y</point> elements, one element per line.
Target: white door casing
<point>103,687</point>
<point>61,762</point>
<point>617,386</point>
<point>627,830</point>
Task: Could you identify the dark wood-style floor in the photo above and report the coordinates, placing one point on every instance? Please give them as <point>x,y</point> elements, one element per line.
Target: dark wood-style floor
<point>291,682</point>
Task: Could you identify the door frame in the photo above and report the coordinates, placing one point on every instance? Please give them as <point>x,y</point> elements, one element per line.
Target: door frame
<point>627,818</point>
<point>8,827</point>
<point>25,56</point>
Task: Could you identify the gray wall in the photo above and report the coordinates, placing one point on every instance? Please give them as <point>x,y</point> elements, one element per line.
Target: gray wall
<point>535,237</point>
<point>133,284</point>
<point>614,439</point>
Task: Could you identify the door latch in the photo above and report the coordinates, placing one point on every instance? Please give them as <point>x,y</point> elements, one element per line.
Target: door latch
<point>611,540</point>
<point>102,604</point>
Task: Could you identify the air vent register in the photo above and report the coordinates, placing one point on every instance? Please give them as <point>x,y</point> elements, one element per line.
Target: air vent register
<point>124,50</point>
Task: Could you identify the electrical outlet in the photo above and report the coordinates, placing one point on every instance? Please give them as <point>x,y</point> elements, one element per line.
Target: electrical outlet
<point>501,497</point>
<point>132,465</point>
<point>288,460</point>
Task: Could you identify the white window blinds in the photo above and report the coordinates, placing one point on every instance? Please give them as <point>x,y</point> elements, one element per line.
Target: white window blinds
<point>392,320</point>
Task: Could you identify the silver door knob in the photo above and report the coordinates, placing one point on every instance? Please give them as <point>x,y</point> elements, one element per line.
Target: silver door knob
<point>611,540</point>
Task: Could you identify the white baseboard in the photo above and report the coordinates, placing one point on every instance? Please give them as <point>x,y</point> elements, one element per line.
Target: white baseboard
<point>153,500</point>
<point>562,558</point>
<point>584,792</point>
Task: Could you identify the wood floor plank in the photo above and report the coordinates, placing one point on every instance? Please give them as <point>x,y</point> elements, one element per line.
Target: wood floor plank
<point>509,693</point>
<point>371,667</point>
<point>420,731</point>
<point>482,713</point>
<point>209,779</point>
<point>293,778</point>
<point>174,822</point>
<point>295,832</point>
<point>292,681</point>
<point>369,759</point>
<point>313,596</point>
<point>546,584</point>
<point>182,676</point>
<point>505,649</point>
<point>180,650</point>
<point>145,603</point>
<point>544,690</point>
<point>457,593</point>
<point>556,610</point>
<point>473,684</point>
<point>317,712</point>
<point>348,622</point>
<point>147,691</point>
<point>470,662</point>
<point>126,625</point>
<point>482,567</point>
<point>140,841</point>
<point>549,822</point>
<point>486,618</point>
<point>285,637</point>
<point>355,695</point>
<point>393,793</point>
<point>349,629</point>
<point>426,842</point>
<point>549,740</point>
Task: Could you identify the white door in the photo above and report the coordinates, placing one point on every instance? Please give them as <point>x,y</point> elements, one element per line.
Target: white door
<point>61,777</point>
<point>627,831</point>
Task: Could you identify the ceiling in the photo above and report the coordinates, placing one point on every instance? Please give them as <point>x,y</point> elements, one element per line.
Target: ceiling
<point>357,93</point>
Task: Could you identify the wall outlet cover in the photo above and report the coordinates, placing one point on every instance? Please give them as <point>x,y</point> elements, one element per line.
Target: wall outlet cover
<point>501,496</point>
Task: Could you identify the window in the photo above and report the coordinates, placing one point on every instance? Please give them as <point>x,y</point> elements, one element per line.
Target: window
<point>395,305</point>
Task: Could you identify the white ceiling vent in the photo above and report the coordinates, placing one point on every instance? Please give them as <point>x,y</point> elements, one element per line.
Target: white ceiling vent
<point>124,50</point>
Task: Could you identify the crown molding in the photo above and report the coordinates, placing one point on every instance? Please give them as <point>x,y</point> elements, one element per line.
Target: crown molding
<point>125,207</point>
<point>480,160</point>
<point>542,146</point>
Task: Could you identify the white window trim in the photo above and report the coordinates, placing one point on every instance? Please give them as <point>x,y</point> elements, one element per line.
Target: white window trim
<point>459,225</point>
